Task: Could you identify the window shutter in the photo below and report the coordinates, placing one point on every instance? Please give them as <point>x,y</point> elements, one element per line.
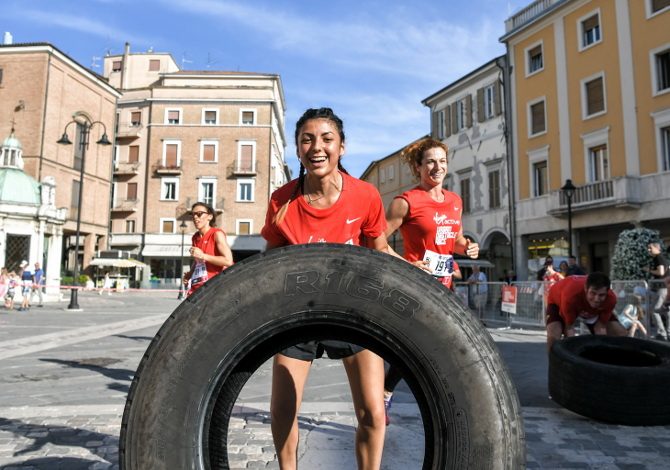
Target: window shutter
<point>208,153</point>
<point>136,118</point>
<point>246,158</point>
<point>434,124</point>
<point>594,96</point>
<point>590,23</point>
<point>154,65</point>
<point>497,99</point>
<point>210,116</point>
<point>659,4</point>
<point>132,191</point>
<point>173,116</point>
<point>537,118</point>
<point>454,118</point>
<point>171,155</point>
<point>447,121</point>
<point>133,153</point>
<point>480,105</point>
<point>468,111</point>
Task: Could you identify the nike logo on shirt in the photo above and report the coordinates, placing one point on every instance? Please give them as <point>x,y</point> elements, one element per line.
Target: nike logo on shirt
<point>351,221</point>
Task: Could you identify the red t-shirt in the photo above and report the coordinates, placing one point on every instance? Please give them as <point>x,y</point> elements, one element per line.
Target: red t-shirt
<point>207,244</point>
<point>570,296</point>
<point>359,211</point>
<point>430,229</point>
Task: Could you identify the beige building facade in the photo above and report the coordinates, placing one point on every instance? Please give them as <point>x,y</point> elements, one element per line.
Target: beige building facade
<point>590,102</point>
<point>189,136</point>
<point>42,90</point>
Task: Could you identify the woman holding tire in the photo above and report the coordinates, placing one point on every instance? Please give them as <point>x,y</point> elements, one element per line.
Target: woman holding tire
<point>325,204</point>
<point>429,218</point>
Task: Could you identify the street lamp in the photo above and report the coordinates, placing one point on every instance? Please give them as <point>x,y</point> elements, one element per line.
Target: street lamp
<point>181,295</point>
<point>569,190</point>
<point>85,126</point>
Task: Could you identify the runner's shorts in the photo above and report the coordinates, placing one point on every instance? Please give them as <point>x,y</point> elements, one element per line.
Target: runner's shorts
<point>314,350</point>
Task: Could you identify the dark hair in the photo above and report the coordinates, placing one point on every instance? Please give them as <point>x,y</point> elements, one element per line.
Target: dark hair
<point>210,211</point>
<point>311,113</point>
<point>598,280</point>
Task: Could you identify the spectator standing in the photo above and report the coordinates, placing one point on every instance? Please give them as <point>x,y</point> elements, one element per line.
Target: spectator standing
<point>26,286</point>
<point>38,278</point>
<point>659,270</point>
<point>573,268</point>
<point>547,261</point>
<point>563,269</point>
<point>4,280</point>
<point>478,288</point>
<point>12,284</point>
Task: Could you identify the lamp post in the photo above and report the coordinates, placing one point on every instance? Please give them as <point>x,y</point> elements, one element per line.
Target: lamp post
<point>85,124</point>
<point>181,295</point>
<point>569,190</point>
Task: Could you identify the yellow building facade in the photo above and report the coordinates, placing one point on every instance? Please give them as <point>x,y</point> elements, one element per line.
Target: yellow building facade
<point>590,103</point>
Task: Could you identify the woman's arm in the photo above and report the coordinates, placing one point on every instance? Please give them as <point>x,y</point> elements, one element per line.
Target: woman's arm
<point>463,246</point>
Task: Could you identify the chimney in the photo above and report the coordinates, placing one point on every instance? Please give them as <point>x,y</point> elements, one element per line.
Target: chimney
<point>8,39</point>
<point>124,65</point>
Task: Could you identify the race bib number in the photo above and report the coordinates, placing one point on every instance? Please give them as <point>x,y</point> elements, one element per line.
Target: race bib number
<point>440,265</point>
<point>199,273</point>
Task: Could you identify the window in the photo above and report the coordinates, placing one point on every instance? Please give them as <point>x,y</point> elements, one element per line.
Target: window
<point>245,190</point>
<point>489,102</point>
<point>594,96</point>
<point>116,66</point>
<point>210,117</point>
<point>382,176</point>
<point>665,148</point>
<point>465,194</point>
<point>537,118</point>
<point>0,76</point>
<point>131,191</point>
<point>658,5</point>
<point>209,151</point>
<point>391,172</point>
<point>171,153</point>
<point>133,153</point>
<point>661,75</point>
<point>169,189</point>
<point>440,124</point>
<point>590,30</point>
<point>247,117</point>
<point>78,156</point>
<point>534,59</point>
<point>136,118</point>
<point>173,116</point>
<point>154,65</point>
<point>246,157</point>
<point>130,226</point>
<point>207,191</point>
<point>599,167</point>
<point>494,189</point>
<point>244,226</point>
<point>168,225</point>
<point>540,182</point>
<point>461,115</point>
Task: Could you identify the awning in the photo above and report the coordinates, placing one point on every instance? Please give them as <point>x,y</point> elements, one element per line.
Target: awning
<point>118,263</point>
<point>166,251</point>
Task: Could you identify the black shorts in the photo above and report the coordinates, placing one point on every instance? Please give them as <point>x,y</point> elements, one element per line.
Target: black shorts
<point>314,350</point>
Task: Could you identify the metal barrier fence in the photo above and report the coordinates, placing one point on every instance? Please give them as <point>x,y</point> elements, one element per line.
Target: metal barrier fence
<point>485,300</point>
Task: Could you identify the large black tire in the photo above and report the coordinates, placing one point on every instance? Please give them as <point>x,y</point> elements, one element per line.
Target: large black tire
<point>617,380</point>
<point>182,396</point>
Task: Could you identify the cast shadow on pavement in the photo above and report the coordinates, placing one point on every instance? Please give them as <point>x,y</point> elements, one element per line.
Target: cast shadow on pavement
<point>50,435</point>
<point>98,365</point>
<point>136,338</point>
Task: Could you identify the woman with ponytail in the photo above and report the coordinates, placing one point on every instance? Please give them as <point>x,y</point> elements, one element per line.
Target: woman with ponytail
<point>325,204</point>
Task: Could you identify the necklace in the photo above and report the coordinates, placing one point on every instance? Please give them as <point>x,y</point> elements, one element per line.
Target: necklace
<point>311,200</point>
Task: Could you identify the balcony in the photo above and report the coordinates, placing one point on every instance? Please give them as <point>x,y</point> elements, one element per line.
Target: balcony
<point>529,13</point>
<point>241,170</point>
<point>161,168</point>
<point>128,130</point>
<point>126,168</point>
<point>125,205</point>
<point>625,192</point>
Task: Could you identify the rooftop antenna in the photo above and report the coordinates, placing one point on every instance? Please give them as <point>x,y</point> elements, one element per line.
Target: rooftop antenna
<point>210,60</point>
<point>94,62</point>
<point>184,60</point>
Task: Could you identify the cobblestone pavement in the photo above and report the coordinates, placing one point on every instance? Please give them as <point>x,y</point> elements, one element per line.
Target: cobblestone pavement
<point>64,378</point>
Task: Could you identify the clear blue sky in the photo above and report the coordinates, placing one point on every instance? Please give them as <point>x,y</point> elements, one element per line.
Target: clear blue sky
<point>371,61</point>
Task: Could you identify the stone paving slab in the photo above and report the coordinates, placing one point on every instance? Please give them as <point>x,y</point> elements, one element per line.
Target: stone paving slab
<point>49,438</point>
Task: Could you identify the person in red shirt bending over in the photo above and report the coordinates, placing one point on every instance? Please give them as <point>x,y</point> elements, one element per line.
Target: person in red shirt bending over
<point>587,297</point>
<point>210,251</point>
<point>325,204</point>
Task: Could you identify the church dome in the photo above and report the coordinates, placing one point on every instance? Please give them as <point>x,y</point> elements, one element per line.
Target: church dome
<point>12,142</point>
<point>18,187</point>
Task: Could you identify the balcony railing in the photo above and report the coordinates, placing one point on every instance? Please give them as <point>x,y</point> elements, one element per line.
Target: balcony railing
<point>126,168</point>
<point>128,130</point>
<point>618,192</point>
<point>528,13</point>
<point>594,192</point>
<point>125,205</point>
<point>163,169</point>
<point>241,170</point>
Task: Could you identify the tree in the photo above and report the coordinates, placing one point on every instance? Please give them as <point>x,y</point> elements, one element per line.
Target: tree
<point>631,255</point>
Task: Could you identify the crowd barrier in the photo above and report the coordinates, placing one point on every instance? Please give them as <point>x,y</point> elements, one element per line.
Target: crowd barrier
<point>485,300</point>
